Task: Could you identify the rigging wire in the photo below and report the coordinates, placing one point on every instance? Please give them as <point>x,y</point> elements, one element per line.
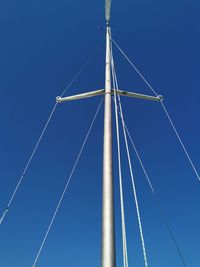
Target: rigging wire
<point>83,67</point>
<point>149,182</point>
<point>66,186</point>
<point>180,141</point>
<point>151,186</point>
<point>2,217</point>
<point>164,217</point>
<point>132,179</point>
<point>135,68</point>
<point>27,165</point>
<point>165,111</point>
<point>124,242</point>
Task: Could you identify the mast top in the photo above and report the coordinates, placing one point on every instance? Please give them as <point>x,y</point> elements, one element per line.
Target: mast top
<point>107,11</point>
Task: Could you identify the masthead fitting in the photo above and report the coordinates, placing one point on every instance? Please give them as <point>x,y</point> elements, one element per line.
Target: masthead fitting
<point>107,11</point>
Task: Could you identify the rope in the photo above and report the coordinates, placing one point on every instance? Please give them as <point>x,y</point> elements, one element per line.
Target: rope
<point>180,141</point>
<point>164,108</point>
<point>133,181</point>
<point>27,165</point>
<point>164,217</point>
<point>124,242</point>
<point>134,191</point>
<point>66,186</point>
<point>157,198</point>
<point>44,130</point>
<point>142,165</point>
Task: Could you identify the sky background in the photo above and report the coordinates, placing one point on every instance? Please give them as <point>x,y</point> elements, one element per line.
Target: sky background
<point>43,44</point>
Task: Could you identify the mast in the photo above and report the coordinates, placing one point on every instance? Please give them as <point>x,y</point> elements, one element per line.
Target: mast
<point>108,231</point>
<point>108,257</point>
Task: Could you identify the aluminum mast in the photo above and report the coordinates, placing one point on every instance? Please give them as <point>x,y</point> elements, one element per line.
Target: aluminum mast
<point>108,231</point>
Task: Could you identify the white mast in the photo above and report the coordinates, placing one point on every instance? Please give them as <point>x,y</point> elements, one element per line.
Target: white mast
<point>108,231</point>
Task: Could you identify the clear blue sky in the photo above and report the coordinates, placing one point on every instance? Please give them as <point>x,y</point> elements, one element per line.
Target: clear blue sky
<point>43,44</point>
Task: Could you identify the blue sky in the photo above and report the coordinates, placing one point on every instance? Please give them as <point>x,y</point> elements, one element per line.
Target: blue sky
<point>43,45</point>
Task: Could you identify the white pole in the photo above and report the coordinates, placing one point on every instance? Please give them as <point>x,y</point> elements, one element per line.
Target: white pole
<point>108,231</point>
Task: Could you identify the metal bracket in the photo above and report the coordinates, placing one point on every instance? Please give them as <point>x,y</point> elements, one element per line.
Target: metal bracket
<point>80,96</point>
<point>59,99</point>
